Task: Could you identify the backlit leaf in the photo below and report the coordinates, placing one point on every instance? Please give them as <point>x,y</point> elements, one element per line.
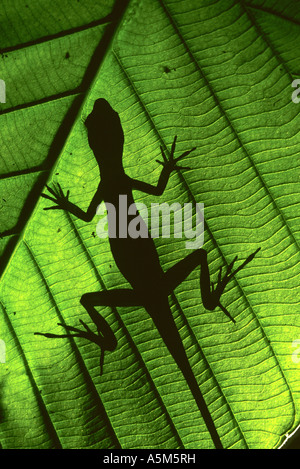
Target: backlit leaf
<point>218,75</point>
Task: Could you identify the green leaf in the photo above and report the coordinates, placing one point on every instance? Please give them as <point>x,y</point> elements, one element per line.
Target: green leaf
<point>218,75</point>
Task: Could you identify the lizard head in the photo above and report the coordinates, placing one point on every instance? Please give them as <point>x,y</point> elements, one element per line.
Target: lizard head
<point>105,133</point>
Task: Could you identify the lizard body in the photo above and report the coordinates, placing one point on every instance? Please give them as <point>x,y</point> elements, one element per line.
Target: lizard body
<point>137,258</point>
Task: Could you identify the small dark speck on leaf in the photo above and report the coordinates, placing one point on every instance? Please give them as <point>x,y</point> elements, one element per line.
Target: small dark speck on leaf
<point>167,69</point>
<point>4,200</point>
<point>94,234</point>
<point>67,56</point>
<point>56,174</point>
<point>110,266</point>
<point>14,313</point>
<point>59,230</point>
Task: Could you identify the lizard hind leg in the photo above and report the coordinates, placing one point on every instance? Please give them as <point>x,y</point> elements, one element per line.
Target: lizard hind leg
<point>105,337</point>
<point>117,297</point>
<point>209,293</point>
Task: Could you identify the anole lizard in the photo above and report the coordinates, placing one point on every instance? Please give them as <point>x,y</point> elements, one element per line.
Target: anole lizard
<point>137,258</point>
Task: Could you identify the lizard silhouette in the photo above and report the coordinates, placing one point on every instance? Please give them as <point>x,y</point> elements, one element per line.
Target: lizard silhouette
<point>137,258</point>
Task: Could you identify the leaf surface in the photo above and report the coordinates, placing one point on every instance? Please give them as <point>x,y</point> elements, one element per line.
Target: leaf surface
<point>218,76</point>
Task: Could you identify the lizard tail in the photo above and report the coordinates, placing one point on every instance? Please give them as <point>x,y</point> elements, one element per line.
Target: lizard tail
<point>172,340</point>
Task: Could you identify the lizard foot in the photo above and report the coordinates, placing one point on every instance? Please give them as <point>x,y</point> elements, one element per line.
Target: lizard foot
<point>217,291</point>
<point>86,334</point>
<point>171,162</point>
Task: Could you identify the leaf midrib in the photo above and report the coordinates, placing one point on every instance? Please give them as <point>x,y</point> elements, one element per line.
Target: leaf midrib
<point>82,92</point>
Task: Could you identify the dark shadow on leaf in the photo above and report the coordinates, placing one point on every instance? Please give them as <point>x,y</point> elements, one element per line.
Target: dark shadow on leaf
<point>136,255</point>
